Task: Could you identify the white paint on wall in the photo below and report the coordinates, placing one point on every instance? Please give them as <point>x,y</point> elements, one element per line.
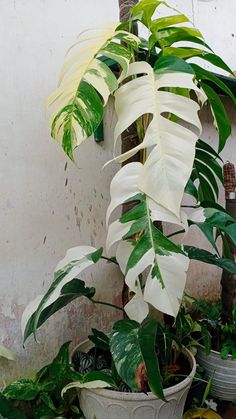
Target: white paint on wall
<point>47,203</point>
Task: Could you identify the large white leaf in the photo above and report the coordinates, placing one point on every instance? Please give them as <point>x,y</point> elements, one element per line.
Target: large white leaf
<point>136,309</point>
<point>126,185</point>
<point>151,249</point>
<point>174,144</point>
<point>173,269</point>
<point>167,298</point>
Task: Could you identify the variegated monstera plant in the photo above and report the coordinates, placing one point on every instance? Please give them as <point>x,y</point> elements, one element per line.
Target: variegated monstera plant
<point>157,85</point>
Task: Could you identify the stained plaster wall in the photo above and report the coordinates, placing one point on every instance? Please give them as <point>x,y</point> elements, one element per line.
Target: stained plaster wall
<point>48,204</point>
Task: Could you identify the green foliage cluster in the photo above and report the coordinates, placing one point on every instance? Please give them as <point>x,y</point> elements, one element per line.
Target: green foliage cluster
<point>221,329</point>
<point>40,398</point>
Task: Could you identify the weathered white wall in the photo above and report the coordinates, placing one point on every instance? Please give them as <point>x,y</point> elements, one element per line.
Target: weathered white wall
<point>47,203</point>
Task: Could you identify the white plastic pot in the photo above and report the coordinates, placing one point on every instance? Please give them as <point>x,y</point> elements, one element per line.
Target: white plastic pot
<point>223,372</point>
<point>109,404</point>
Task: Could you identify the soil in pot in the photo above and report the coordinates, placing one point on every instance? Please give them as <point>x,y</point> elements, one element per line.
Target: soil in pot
<point>100,360</point>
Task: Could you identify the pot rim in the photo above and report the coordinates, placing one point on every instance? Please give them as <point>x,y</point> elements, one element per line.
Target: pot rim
<point>229,357</point>
<point>113,394</point>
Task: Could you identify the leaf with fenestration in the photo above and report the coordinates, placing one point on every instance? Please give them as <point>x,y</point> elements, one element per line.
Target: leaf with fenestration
<point>144,95</point>
<point>220,115</point>
<point>203,74</point>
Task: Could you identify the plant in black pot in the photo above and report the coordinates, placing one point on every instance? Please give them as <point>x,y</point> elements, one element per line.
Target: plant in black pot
<point>159,92</point>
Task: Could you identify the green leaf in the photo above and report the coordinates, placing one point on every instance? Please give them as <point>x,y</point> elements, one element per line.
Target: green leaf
<point>207,173</point>
<point>145,9</point>
<point>163,22</point>
<point>223,221</point>
<point>171,63</point>
<point>207,390</point>
<point>135,213</point>
<point>95,256</point>
<point>205,146</point>
<point>206,337</point>
<point>22,390</point>
<point>216,61</point>
<point>205,190</point>
<point>99,339</point>
<point>182,52</point>
<point>219,112</point>
<point>126,352</point>
<point>188,52</point>
<point>191,189</point>
<point>207,230</point>
<point>47,400</point>
<point>230,230</point>
<point>207,257</point>
<point>210,162</point>
<point>60,367</point>
<point>7,411</point>
<point>203,74</point>
<point>166,37</point>
<point>147,341</point>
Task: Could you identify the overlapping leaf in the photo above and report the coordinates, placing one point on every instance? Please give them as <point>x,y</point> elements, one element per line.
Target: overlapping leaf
<point>210,219</point>
<point>151,249</point>
<point>174,144</point>
<point>64,288</point>
<point>86,83</point>
<point>204,256</point>
<point>133,351</point>
<point>206,174</point>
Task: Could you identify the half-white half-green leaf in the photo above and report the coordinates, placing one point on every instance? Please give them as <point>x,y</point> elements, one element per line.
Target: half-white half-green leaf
<point>86,83</point>
<point>76,260</point>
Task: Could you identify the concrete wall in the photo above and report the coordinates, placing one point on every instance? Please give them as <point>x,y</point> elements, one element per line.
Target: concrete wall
<point>47,203</point>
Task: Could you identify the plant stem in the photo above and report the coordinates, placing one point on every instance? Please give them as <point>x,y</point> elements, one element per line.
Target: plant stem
<point>107,304</point>
<point>190,206</point>
<point>110,260</point>
<point>175,233</point>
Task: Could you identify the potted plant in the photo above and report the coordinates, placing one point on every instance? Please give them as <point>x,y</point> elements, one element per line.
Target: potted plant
<point>201,409</point>
<point>218,354</point>
<point>155,88</point>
